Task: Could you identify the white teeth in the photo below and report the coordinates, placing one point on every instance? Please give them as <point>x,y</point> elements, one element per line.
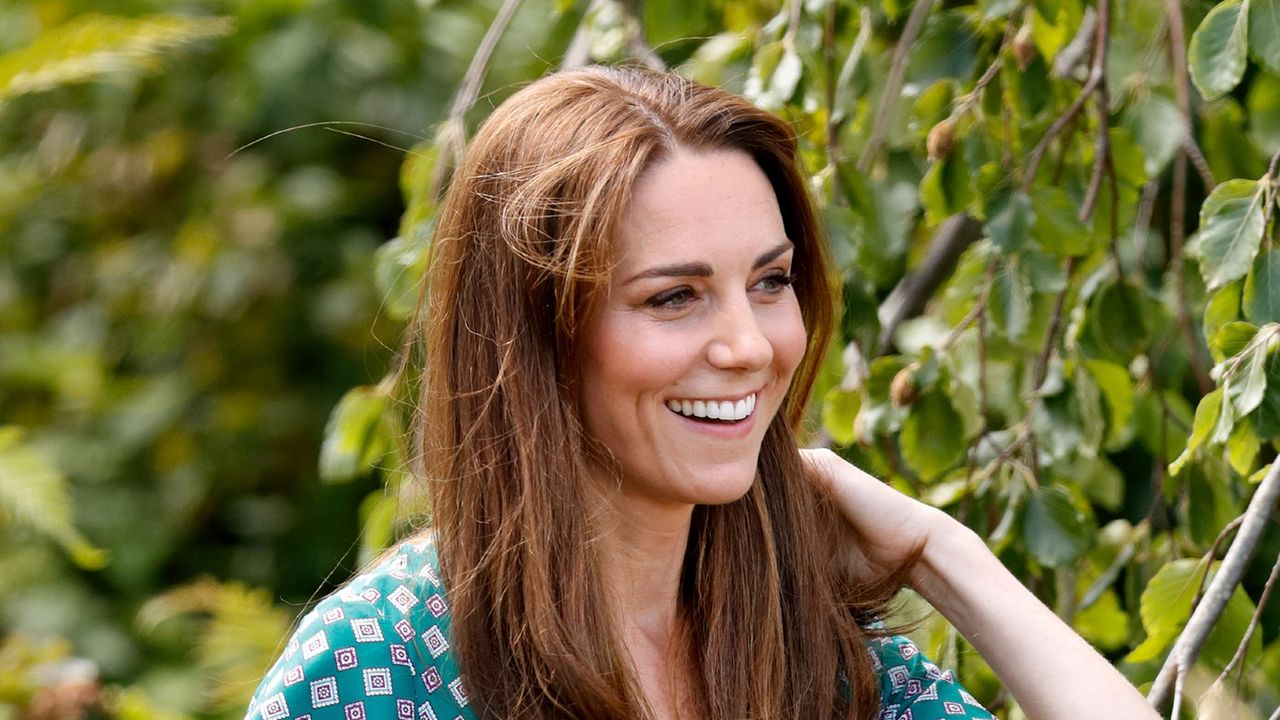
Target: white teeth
<point>715,409</point>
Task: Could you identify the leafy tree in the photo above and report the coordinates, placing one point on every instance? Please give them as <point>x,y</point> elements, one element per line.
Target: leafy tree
<point>1040,334</point>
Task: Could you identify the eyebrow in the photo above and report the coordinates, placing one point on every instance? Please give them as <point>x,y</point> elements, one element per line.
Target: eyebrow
<point>697,269</point>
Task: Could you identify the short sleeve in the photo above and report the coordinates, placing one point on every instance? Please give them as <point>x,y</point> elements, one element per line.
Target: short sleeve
<point>377,649</point>
<point>913,688</point>
<point>343,663</point>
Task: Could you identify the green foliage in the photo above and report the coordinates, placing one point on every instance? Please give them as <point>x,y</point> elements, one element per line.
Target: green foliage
<point>239,632</point>
<point>90,46</point>
<point>33,494</point>
<point>178,317</point>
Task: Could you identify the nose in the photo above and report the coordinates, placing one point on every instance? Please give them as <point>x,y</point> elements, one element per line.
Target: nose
<point>739,342</point>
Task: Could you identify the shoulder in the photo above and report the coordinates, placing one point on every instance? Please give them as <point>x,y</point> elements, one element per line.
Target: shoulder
<point>911,686</point>
<point>377,648</point>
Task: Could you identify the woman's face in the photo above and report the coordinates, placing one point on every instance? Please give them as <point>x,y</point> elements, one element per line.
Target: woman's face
<point>688,360</point>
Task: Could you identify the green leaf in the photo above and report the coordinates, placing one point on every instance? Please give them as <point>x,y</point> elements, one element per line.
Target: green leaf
<point>1166,605</point>
<point>1117,388</point>
<point>1266,419</point>
<point>33,494</point>
<point>1231,226</point>
<point>1010,221</point>
<point>1243,447</point>
<point>1262,285</point>
<point>1264,33</point>
<point>1263,107</point>
<point>1056,532</point>
<point>1207,413</point>
<point>1223,307</point>
<point>378,513</point>
<point>1115,322</point>
<point>1010,300</point>
<point>354,438</point>
<point>945,188</point>
<point>1057,224</point>
<point>1155,124</point>
<point>1209,504</point>
<point>947,48</point>
<point>1233,337</point>
<point>399,267</point>
<point>932,435</point>
<point>1246,380</point>
<point>92,45</point>
<point>1104,623</point>
<point>1219,49</point>
<point>839,409</point>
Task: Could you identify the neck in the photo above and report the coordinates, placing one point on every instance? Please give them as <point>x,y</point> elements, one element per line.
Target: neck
<point>642,549</point>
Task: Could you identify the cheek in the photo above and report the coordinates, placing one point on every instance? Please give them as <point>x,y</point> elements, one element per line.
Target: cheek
<point>627,362</point>
<point>789,339</point>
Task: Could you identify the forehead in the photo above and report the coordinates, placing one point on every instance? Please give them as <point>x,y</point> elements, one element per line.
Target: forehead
<point>699,203</point>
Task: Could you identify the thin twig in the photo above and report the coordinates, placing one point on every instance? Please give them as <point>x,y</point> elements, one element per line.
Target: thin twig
<point>1187,647</point>
<point>1223,534</point>
<point>1271,179</point>
<point>1037,153</point>
<point>453,132</point>
<point>969,99</point>
<point>1102,142</point>
<point>1242,650</point>
<point>1182,87</point>
<point>832,123</point>
<point>893,84</point>
<point>638,47</point>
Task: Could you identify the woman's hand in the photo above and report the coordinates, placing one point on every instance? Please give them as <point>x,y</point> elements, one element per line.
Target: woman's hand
<point>886,527</point>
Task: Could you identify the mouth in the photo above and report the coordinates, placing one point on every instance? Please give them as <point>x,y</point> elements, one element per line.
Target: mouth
<point>718,411</point>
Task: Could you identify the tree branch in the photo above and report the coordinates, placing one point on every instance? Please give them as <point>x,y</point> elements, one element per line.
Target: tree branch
<point>1188,645</point>
<point>893,84</point>
<point>452,137</point>
<point>912,293</point>
<point>1102,149</point>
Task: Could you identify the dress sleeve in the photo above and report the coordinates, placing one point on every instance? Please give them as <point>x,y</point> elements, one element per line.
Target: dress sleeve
<point>345,662</point>
<point>913,688</point>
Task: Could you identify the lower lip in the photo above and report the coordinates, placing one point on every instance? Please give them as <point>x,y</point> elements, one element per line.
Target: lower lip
<point>727,431</point>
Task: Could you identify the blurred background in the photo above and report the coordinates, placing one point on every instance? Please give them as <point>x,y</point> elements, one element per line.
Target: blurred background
<point>177,320</point>
<point>214,214</point>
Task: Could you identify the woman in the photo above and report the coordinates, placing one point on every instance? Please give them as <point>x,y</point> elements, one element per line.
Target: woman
<point>627,305</point>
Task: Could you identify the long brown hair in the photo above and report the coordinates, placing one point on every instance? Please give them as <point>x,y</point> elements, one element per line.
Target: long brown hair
<point>521,254</point>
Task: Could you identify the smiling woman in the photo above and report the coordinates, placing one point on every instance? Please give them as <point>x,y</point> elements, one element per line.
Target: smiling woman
<point>627,305</point>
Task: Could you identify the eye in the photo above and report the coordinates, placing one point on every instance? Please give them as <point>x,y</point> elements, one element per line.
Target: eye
<point>673,299</point>
<point>776,281</point>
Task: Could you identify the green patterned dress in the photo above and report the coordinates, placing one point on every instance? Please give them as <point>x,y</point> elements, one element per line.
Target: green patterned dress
<point>379,649</point>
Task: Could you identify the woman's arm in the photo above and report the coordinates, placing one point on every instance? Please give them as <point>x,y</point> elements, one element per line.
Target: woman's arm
<point>1049,669</point>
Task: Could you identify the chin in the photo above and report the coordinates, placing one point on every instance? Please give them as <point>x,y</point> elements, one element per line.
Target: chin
<point>729,487</point>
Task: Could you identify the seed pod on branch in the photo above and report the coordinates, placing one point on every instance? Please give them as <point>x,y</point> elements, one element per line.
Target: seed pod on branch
<point>941,139</point>
<point>903,390</point>
<point>1023,47</point>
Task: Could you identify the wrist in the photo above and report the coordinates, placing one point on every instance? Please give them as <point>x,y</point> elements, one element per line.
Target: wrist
<point>951,547</point>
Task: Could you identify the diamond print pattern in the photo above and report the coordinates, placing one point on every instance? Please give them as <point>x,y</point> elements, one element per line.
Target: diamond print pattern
<point>341,657</point>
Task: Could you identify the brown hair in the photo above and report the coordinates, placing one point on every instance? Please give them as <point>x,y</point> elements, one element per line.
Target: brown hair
<point>521,253</point>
